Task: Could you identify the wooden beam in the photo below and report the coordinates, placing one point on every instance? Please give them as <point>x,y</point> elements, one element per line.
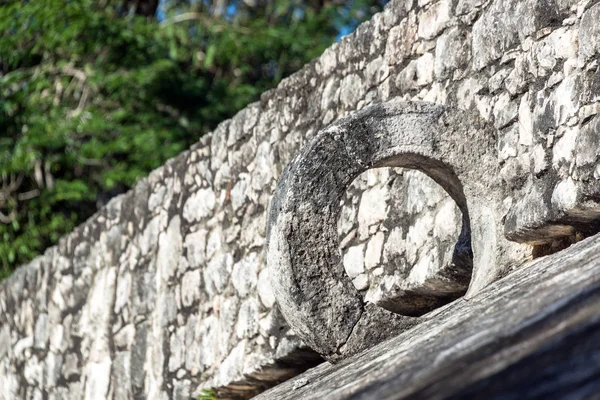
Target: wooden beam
<point>533,334</point>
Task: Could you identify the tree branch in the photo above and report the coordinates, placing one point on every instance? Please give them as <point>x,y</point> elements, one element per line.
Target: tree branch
<point>28,195</point>
<point>7,219</point>
<point>202,18</point>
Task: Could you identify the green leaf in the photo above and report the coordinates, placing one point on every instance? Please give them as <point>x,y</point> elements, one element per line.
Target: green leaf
<point>210,55</point>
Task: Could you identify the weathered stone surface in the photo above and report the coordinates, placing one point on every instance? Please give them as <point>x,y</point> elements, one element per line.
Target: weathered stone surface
<point>401,39</point>
<point>313,292</point>
<point>451,53</point>
<point>506,22</point>
<point>543,55</point>
<point>533,334</point>
<point>417,74</point>
<point>589,45</point>
<point>434,19</point>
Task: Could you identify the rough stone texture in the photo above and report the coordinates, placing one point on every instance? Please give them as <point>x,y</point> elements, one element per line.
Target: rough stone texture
<point>111,294</point>
<point>314,293</point>
<point>147,301</point>
<point>532,335</point>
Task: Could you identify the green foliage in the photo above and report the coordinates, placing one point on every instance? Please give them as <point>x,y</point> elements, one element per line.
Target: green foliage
<point>207,394</point>
<point>94,96</point>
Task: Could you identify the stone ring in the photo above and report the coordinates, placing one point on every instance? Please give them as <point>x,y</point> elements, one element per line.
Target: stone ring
<point>455,148</point>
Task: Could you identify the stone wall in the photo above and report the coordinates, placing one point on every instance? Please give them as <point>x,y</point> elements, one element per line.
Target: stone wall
<point>164,292</point>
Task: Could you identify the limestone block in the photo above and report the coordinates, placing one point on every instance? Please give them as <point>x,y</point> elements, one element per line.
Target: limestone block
<point>401,39</point>
<point>452,52</point>
<point>589,34</point>
<point>506,22</point>
<point>434,19</point>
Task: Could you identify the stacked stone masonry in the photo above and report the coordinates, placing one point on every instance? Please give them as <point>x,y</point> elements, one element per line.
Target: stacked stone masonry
<point>164,291</point>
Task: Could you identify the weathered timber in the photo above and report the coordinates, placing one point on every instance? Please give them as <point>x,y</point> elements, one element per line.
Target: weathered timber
<point>533,334</point>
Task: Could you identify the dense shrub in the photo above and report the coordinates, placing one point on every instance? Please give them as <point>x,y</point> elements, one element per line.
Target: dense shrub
<point>95,94</point>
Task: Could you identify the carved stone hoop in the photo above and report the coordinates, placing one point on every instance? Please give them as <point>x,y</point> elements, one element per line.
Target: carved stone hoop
<point>315,295</point>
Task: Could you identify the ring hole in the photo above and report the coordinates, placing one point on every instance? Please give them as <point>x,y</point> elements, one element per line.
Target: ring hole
<point>403,241</point>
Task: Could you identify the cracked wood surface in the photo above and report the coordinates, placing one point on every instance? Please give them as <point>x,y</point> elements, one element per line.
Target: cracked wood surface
<point>533,334</point>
